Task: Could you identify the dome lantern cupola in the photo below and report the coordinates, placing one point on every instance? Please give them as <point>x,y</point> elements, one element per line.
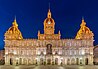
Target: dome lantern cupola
<point>49,14</point>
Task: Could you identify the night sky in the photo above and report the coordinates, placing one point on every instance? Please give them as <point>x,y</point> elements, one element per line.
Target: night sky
<point>30,15</point>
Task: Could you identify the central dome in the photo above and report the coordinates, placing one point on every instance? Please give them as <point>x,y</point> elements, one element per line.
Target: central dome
<point>49,19</point>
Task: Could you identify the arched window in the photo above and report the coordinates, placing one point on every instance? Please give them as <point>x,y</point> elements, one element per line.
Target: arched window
<point>49,49</point>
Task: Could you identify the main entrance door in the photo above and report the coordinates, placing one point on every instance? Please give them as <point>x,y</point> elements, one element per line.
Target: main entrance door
<point>41,61</point>
<point>68,61</point>
<point>86,61</point>
<point>80,61</point>
<point>72,61</point>
<point>77,61</point>
<point>11,61</point>
<point>56,61</point>
<point>48,61</point>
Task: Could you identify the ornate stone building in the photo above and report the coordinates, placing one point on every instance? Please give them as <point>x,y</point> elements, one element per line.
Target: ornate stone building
<point>96,55</point>
<point>2,53</point>
<point>49,48</point>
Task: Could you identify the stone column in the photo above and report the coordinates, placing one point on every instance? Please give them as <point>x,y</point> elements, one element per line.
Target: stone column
<point>46,60</point>
<point>65,61</point>
<point>7,60</point>
<point>51,60</point>
<point>38,60</point>
<point>83,60</point>
<point>27,61</point>
<point>90,60</point>
<point>14,61</point>
<point>59,61</point>
<point>22,61</point>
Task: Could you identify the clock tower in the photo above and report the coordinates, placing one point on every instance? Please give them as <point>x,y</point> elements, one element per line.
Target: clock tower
<point>49,24</point>
<point>49,27</point>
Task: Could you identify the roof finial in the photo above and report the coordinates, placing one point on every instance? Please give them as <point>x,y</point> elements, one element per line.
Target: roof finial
<point>82,18</point>
<point>15,23</point>
<point>83,22</point>
<point>59,32</point>
<point>15,19</point>
<point>49,12</point>
<point>49,5</point>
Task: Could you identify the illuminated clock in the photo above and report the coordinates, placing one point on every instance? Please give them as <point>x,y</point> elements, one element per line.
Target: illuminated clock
<point>49,22</point>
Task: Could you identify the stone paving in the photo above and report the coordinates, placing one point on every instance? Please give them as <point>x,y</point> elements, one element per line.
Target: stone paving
<point>49,67</point>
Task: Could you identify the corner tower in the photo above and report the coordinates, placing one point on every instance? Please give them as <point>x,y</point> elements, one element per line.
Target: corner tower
<point>84,32</point>
<point>13,32</point>
<point>49,28</point>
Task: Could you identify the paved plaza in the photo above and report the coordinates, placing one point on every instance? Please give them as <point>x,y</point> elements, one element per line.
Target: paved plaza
<point>49,67</point>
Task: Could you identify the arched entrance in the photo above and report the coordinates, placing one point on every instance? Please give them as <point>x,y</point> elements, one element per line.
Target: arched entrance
<point>49,49</point>
<point>24,61</point>
<point>41,61</point>
<point>17,62</point>
<point>29,61</point>
<point>20,62</point>
<point>56,61</point>
<point>80,60</point>
<point>68,61</point>
<point>36,61</point>
<point>11,61</point>
<point>48,61</point>
<point>77,61</point>
<point>86,61</point>
<point>73,61</point>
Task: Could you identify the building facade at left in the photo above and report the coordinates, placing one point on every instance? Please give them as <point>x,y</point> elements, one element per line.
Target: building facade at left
<point>2,59</point>
<point>49,48</point>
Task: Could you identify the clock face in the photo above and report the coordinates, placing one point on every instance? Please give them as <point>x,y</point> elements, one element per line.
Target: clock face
<point>49,22</point>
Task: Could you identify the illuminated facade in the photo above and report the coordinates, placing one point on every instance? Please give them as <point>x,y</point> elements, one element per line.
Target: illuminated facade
<point>96,54</point>
<point>49,48</point>
<point>2,52</point>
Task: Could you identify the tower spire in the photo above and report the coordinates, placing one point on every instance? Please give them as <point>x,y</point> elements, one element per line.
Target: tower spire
<point>49,12</point>
<point>82,19</point>
<point>15,22</point>
<point>83,22</point>
<point>15,19</point>
<point>49,5</point>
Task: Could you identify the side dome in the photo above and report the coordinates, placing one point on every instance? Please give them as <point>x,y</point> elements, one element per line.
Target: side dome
<point>13,32</point>
<point>84,32</point>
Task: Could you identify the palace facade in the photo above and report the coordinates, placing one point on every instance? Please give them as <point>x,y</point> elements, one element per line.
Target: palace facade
<point>96,55</point>
<point>49,48</point>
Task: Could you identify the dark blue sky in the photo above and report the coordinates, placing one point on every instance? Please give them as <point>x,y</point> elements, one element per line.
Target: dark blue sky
<point>31,14</point>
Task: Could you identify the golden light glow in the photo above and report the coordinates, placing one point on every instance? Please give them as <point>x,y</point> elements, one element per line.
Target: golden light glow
<point>44,53</point>
<point>49,48</point>
<point>49,27</point>
<point>13,32</point>
<point>15,52</point>
<point>49,14</point>
<point>84,32</point>
<point>83,52</point>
